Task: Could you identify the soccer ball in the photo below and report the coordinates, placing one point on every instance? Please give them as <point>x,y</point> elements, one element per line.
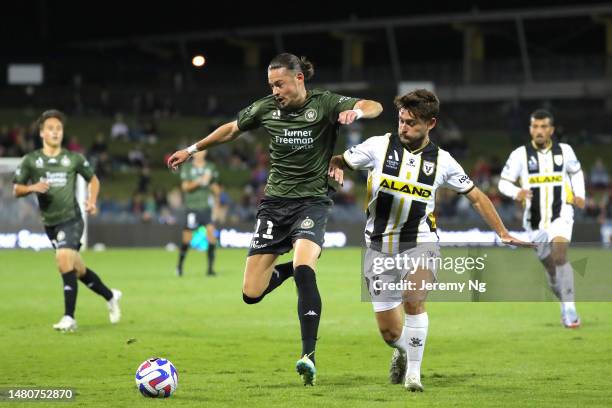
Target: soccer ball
<point>156,378</point>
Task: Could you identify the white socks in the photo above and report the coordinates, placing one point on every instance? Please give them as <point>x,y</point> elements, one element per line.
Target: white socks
<point>415,333</point>
<point>554,284</point>
<point>565,279</point>
<point>401,342</point>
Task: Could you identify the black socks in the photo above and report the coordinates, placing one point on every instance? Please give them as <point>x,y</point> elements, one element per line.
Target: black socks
<point>309,308</point>
<point>70,292</point>
<point>309,301</point>
<point>94,283</point>
<point>182,253</point>
<point>211,258</point>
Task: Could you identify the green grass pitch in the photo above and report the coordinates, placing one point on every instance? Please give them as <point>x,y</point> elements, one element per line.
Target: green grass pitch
<point>231,354</point>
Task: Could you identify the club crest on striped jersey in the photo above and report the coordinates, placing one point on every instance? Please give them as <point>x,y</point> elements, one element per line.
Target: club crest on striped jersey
<point>393,160</point>
<point>532,163</point>
<point>428,167</point>
<point>558,159</point>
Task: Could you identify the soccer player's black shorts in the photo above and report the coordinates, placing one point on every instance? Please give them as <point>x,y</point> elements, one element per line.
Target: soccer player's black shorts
<point>196,218</point>
<point>66,234</point>
<point>282,221</point>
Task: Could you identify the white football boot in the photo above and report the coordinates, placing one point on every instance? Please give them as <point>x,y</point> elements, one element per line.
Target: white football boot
<point>306,369</point>
<point>413,383</point>
<point>66,324</point>
<point>570,319</point>
<point>114,313</point>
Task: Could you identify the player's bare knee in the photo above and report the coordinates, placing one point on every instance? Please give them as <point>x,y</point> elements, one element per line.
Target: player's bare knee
<point>251,297</point>
<point>559,258</point>
<point>415,308</point>
<point>210,236</point>
<point>390,334</point>
<point>80,270</point>
<point>252,291</point>
<point>65,262</point>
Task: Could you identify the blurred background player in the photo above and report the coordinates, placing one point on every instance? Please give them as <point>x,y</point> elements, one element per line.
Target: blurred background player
<point>201,192</point>
<point>303,128</point>
<point>404,172</point>
<point>551,180</point>
<point>51,173</point>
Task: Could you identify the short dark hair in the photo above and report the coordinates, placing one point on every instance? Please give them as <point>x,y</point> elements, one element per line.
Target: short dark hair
<point>293,63</point>
<point>51,113</point>
<point>423,104</point>
<point>543,114</point>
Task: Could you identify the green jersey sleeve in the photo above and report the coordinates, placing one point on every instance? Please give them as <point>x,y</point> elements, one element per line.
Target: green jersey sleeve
<point>334,104</point>
<point>250,117</point>
<point>23,173</point>
<point>83,167</point>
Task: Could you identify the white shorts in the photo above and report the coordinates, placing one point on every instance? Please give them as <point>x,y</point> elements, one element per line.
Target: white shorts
<point>558,228</point>
<point>383,300</point>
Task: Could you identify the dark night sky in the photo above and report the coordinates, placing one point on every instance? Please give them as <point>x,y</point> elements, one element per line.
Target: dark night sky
<point>30,21</point>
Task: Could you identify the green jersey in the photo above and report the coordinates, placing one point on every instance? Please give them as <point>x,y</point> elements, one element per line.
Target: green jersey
<point>59,203</point>
<point>301,141</point>
<point>201,197</point>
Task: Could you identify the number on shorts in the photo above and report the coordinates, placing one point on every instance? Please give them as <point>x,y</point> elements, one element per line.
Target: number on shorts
<point>268,234</point>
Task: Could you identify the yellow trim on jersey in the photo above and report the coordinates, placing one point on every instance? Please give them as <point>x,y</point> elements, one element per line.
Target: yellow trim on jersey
<point>406,188</point>
<point>419,149</point>
<point>432,218</point>
<point>569,193</point>
<point>545,179</point>
<point>398,215</point>
<point>369,191</point>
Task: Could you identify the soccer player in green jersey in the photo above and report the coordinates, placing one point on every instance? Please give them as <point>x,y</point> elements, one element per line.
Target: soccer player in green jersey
<point>303,126</point>
<point>51,174</point>
<point>200,191</point>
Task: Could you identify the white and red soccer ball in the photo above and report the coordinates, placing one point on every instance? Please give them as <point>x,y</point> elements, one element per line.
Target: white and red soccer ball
<point>156,378</point>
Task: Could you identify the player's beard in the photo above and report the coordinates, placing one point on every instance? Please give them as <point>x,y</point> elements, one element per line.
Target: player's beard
<point>413,143</point>
<point>541,142</point>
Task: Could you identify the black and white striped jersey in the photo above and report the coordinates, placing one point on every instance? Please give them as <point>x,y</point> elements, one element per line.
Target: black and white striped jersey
<point>402,189</point>
<point>553,175</point>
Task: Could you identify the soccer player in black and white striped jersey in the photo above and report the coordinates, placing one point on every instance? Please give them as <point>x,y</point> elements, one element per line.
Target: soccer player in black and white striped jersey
<point>551,181</point>
<point>404,171</point>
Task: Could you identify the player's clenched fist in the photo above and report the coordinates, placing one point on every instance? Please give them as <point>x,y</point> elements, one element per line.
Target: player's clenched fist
<point>349,116</point>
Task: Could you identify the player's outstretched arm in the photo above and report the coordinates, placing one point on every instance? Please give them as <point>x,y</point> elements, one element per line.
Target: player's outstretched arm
<point>483,205</point>
<point>223,134</point>
<point>22,190</point>
<point>363,109</point>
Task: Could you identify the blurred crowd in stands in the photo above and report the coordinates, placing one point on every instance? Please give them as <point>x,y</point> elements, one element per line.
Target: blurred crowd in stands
<point>248,155</point>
